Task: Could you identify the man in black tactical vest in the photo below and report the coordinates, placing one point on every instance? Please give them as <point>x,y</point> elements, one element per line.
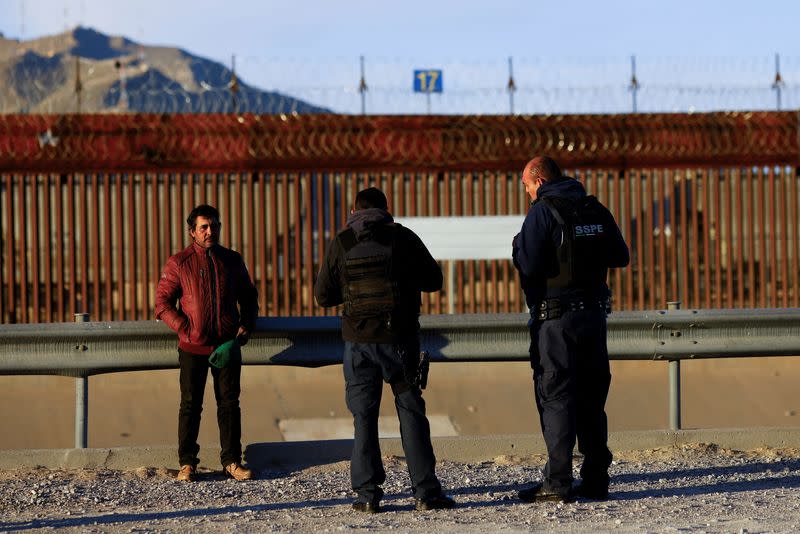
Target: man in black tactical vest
<point>567,243</point>
<point>376,268</point>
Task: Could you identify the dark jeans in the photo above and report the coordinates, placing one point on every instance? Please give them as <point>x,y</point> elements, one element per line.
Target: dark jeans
<point>194,370</point>
<point>571,379</point>
<point>366,367</point>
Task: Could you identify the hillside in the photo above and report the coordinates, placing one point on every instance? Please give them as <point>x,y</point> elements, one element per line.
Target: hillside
<point>86,70</point>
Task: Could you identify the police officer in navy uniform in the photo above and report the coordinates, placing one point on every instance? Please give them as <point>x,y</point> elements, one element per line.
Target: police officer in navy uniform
<point>567,244</point>
<point>376,269</point>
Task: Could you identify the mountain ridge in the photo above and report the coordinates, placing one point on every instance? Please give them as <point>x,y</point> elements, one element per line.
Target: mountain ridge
<point>85,70</point>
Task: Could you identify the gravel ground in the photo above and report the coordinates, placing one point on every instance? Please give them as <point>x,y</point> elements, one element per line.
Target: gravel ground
<point>699,488</point>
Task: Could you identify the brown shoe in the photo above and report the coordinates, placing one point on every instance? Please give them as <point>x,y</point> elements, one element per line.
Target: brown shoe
<point>187,473</point>
<point>235,470</point>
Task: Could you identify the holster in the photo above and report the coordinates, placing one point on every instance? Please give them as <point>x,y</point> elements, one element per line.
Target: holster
<point>416,365</point>
<point>421,377</point>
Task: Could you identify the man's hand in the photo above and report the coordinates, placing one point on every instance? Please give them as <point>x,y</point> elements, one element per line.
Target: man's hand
<point>242,336</point>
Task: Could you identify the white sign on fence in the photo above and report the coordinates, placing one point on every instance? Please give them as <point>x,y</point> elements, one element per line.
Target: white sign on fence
<point>466,238</point>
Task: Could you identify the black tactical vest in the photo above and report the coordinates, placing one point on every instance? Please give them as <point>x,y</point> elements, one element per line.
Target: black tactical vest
<point>369,289</point>
<point>581,256</point>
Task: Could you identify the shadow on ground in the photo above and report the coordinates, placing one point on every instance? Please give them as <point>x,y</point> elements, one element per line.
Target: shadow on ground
<point>769,482</point>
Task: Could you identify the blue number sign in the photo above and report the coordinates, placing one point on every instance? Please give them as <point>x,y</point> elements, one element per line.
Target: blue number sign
<point>427,81</point>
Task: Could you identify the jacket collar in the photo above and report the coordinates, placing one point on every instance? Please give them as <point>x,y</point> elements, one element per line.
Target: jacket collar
<point>202,251</point>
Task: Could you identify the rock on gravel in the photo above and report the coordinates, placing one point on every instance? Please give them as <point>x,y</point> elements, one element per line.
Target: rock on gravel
<point>700,488</point>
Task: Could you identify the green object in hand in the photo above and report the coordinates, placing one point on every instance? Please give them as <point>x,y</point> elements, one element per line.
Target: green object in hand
<point>222,354</point>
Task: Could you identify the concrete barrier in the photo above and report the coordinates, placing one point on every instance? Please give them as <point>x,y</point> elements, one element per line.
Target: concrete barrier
<point>462,449</point>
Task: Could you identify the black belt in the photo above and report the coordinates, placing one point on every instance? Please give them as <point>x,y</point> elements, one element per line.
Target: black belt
<point>556,307</point>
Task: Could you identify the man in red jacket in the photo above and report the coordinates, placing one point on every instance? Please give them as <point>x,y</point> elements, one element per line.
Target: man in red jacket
<point>209,281</point>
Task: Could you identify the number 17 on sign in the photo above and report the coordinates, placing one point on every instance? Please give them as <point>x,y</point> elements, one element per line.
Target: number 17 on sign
<point>428,81</point>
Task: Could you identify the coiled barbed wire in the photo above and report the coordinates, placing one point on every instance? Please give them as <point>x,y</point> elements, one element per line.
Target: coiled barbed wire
<point>57,143</point>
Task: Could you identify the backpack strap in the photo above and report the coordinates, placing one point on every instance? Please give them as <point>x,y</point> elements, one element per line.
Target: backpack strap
<point>348,239</point>
<point>549,204</point>
<point>564,249</point>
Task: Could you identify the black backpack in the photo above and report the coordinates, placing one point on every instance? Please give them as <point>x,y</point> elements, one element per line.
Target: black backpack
<point>369,289</point>
<point>582,253</point>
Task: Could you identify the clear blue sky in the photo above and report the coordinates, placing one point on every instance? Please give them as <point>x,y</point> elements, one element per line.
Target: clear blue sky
<point>434,29</point>
<point>569,56</point>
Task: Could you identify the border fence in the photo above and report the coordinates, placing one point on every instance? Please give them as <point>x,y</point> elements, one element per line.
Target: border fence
<point>91,206</point>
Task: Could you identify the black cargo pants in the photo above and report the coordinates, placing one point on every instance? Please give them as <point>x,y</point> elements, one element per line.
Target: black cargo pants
<point>366,367</point>
<point>571,377</point>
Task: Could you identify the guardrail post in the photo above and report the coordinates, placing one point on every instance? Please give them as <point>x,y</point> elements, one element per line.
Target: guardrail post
<point>81,401</point>
<point>674,383</point>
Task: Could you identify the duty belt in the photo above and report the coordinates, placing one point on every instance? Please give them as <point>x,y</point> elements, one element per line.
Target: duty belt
<point>556,307</point>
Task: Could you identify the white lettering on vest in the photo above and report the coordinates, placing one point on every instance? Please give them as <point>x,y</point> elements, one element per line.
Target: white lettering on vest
<point>585,230</point>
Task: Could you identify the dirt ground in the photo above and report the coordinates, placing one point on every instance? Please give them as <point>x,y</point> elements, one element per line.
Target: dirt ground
<point>127,409</point>
<point>697,488</point>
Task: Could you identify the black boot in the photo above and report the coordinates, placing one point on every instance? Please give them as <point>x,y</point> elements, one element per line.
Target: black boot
<point>368,507</point>
<point>537,493</point>
<point>439,502</point>
<point>595,492</point>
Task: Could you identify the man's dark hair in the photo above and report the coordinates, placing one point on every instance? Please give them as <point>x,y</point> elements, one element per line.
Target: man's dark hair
<point>371,197</point>
<point>203,210</point>
<point>545,168</point>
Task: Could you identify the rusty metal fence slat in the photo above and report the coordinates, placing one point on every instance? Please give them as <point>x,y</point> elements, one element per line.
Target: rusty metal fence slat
<point>94,202</point>
<point>781,237</point>
<point>22,253</point>
<point>34,250</point>
<point>48,259</point>
<point>751,252</point>
<point>761,219</point>
<point>458,210</point>
<point>727,221</point>
<point>676,280</point>
<point>715,237</point>
<point>650,274</point>
<point>740,240</point>
<point>141,278</point>
<point>684,234</point>
<point>130,238</point>
<point>772,255</point>
<point>307,220</point>
<point>794,225</point>
<point>638,208</point>
<point>629,234</point>
<point>6,250</point>
<point>82,249</point>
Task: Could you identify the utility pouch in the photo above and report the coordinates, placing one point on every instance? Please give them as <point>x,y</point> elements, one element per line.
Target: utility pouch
<point>549,309</point>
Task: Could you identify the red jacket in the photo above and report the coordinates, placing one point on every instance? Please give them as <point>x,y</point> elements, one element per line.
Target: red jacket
<point>208,284</point>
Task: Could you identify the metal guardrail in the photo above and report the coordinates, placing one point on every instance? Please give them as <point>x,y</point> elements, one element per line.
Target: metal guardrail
<point>83,349</point>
